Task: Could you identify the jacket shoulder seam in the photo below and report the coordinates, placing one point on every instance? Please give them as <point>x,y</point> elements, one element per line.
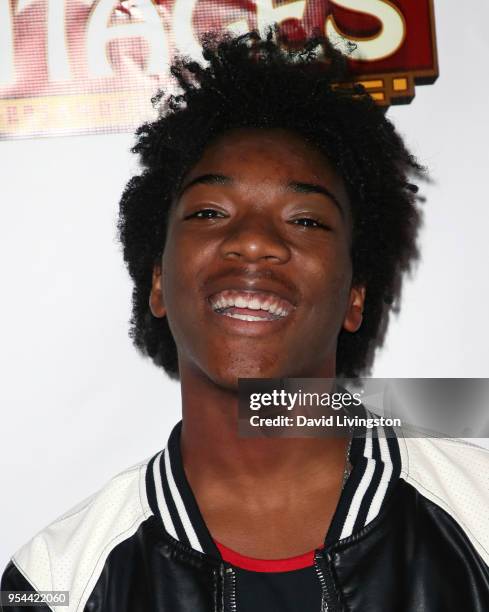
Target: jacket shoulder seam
<point>429,493</point>
<point>29,580</point>
<point>444,506</point>
<point>146,513</point>
<point>129,530</point>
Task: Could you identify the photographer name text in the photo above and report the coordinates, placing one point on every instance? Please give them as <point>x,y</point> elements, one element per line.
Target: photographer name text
<point>333,420</point>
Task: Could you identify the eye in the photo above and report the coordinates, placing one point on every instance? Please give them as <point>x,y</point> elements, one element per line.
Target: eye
<point>205,213</point>
<point>309,222</point>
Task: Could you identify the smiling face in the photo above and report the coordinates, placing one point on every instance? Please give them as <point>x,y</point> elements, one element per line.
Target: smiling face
<point>255,278</point>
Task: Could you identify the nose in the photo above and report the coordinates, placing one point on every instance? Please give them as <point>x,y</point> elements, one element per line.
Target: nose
<point>255,239</point>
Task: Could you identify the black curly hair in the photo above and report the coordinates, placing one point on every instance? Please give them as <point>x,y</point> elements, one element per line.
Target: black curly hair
<point>263,81</point>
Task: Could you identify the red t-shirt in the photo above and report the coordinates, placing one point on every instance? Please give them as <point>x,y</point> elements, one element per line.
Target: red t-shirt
<point>266,565</point>
<point>275,585</point>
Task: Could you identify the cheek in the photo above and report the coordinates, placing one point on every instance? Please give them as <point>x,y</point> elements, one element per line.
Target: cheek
<point>328,289</point>
<point>175,272</point>
<point>184,267</point>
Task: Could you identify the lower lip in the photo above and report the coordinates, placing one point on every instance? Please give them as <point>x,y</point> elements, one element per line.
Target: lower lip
<point>253,327</point>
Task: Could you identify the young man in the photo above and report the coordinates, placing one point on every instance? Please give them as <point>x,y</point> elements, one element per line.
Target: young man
<point>266,237</point>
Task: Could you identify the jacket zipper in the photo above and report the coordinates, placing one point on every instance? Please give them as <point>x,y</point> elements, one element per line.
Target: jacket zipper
<point>230,590</point>
<point>329,600</point>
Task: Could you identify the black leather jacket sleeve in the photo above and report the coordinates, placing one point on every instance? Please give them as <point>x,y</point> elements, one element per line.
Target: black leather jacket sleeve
<point>13,580</point>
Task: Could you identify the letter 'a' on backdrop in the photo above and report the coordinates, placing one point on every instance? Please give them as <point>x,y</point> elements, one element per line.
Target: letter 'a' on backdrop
<point>86,66</point>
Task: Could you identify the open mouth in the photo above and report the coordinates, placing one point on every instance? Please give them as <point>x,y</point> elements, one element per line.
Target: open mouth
<point>253,306</point>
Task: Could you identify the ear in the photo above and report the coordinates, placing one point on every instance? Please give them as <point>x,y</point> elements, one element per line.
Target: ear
<point>156,301</point>
<point>354,314</point>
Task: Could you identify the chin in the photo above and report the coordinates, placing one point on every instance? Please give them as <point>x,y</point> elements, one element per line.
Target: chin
<point>227,375</point>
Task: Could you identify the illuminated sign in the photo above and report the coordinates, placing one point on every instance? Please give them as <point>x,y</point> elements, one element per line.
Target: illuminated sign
<point>77,66</point>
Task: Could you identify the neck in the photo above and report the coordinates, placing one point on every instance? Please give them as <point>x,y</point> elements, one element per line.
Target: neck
<point>213,451</point>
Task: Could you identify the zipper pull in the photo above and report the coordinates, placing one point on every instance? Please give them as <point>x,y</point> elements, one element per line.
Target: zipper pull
<point>322,565</point>
<point>229,589</point>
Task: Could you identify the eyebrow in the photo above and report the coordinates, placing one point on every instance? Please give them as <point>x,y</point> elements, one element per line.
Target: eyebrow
<point>206,179</point>
<point>296,187</point>
<point>313,188</point>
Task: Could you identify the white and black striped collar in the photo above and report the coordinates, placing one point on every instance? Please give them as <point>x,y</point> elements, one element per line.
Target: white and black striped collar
<point>172,500</point>
<point>376,466</point>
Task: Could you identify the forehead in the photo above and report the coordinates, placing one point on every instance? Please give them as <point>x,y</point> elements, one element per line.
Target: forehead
<point>266,155</point>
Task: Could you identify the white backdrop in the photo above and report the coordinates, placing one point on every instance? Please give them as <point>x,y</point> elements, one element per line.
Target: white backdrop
<point>78,404</point>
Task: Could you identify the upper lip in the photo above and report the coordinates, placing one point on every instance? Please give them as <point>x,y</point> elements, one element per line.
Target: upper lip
<point>255,284</point>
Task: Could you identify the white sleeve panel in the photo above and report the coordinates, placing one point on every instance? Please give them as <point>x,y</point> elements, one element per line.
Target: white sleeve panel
<point>454,475</point>
<point>70,553</point>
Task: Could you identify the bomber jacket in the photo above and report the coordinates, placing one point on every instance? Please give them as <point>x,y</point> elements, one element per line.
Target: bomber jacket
<point>410,533</point>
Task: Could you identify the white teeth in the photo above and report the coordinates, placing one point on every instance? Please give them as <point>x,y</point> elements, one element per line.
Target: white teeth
<point>244,317</point>
<point>241,302</point>
<point>274,308</point>
<point>251,302</point>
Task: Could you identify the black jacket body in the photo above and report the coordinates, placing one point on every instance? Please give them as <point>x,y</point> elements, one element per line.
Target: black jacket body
<point>410,534</point>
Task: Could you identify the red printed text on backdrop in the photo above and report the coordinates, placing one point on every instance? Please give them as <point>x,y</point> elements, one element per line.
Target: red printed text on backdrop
<point>77,66</point>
